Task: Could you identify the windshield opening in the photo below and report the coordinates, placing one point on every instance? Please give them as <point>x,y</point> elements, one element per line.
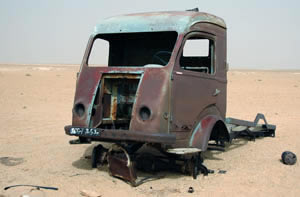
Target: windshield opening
<point>132,49</point>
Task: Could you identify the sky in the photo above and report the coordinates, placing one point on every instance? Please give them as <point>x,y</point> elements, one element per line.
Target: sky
<point>260,34</point>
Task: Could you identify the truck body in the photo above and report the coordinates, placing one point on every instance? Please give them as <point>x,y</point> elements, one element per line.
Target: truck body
<point>164,83</point>
<point>148,86</point>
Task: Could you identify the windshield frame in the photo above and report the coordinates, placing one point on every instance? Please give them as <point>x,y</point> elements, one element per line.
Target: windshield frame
<point>94,37</point>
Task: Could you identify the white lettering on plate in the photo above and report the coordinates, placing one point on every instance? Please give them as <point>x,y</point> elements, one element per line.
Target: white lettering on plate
<point>84,131</point>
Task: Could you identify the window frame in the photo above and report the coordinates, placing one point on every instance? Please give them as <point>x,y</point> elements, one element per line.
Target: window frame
<point>203,35</point>
<point>93,38</point>
<point>91,52</point>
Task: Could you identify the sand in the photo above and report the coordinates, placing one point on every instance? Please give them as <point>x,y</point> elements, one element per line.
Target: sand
<point>36,103</point>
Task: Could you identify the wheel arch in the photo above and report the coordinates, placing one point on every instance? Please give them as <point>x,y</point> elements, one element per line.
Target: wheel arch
<point>209,126</point>
<point>220,132</point>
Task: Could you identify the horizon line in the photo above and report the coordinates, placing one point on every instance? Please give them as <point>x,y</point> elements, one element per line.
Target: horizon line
<point>243,68</point>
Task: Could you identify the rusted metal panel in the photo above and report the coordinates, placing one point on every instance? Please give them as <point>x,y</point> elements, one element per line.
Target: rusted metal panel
<point>156,21</point>
<point>153,93</point>
<point>189,103</point>
<point>201,133</point>
<point>106,102</point>
<point>120,165</point>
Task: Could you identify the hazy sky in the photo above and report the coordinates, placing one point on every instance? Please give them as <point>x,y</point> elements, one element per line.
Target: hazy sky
<point>261,33</point>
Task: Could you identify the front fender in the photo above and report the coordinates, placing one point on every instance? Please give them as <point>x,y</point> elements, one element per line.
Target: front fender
<point>201,133</point>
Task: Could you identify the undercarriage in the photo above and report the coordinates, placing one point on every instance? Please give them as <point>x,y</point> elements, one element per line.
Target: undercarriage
<point>124,158</point>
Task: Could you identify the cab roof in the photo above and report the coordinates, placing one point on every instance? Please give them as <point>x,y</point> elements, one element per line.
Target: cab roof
<point>179,21</point>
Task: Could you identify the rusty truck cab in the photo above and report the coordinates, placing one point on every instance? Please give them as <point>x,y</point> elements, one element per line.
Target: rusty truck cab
<point>163,81</point>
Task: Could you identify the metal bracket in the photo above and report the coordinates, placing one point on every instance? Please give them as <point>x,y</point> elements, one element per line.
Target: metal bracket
<point>242,128</point>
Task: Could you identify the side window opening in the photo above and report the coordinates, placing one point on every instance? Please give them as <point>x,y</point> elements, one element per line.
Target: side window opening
<point>99,54</point>
<point>198,55</point>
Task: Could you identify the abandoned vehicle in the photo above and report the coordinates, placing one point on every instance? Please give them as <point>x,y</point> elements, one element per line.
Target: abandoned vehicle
<point>159,79</point>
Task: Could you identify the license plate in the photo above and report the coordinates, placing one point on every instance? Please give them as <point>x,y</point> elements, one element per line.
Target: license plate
<point>85,131</point>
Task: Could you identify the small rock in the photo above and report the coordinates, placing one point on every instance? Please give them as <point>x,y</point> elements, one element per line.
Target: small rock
<point>89,193</point>
<point>11,161</point>
<point>191,190</point>
<point>34,193</point>
<point>28,75</point>
<point>222,171</point>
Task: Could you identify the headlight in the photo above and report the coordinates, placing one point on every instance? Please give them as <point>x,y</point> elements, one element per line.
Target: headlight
<point>79,109</point>
<point>145,113</point>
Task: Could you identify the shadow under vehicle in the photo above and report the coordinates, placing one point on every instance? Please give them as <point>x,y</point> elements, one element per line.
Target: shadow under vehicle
<point>163,83</point>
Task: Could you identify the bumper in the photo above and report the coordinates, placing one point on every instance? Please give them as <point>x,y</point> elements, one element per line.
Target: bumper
<point>98,134</point>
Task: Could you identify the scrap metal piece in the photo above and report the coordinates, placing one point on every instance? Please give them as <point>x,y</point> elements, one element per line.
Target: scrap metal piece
<point>99,154</point>
<point>242,128</point>
<point>36,186</point>
<point>120,165</point>
<point>152,163</point>
<point>198,167</point>
<point>182,151</point>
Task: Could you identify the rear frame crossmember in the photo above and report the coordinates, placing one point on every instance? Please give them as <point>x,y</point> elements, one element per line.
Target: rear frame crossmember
<point>241,128</point>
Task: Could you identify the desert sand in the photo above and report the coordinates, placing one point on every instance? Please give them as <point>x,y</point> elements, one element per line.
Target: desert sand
<point>36,103</point>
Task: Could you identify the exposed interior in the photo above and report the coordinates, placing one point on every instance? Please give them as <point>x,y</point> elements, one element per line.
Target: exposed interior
<point>134,49</point>
<point>198,55</point>
<point>117,94</point>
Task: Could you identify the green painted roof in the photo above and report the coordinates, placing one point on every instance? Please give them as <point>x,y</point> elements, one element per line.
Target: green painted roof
<point>155,21</point>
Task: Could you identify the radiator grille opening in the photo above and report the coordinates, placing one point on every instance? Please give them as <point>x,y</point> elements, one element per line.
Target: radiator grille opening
<point>117,94</point>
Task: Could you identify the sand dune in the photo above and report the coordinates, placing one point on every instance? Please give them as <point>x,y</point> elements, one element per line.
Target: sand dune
<point>36,103</point>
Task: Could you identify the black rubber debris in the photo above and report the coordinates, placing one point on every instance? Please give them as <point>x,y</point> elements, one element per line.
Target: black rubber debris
<point>288,158</point>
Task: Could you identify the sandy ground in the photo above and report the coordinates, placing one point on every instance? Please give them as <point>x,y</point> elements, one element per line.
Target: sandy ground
<point>36,103</point>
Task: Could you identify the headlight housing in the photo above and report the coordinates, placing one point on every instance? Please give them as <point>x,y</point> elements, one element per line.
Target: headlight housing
<point>145,113</point>
<point>79,109</point>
